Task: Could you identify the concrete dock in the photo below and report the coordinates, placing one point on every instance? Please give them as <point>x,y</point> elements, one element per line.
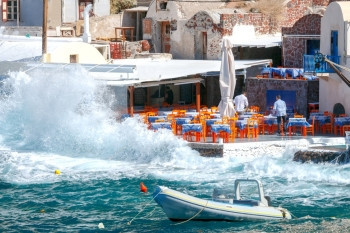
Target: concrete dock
<point>269,144</point>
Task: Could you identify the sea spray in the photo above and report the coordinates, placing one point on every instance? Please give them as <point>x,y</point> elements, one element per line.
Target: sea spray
<point>65,111</point>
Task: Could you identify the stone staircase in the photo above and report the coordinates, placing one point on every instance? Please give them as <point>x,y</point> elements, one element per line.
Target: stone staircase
<point>21,31</point>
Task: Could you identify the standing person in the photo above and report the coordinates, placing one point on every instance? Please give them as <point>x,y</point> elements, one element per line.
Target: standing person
<point>280,110</point>
<point>241,102</point>
<point>169,96</point>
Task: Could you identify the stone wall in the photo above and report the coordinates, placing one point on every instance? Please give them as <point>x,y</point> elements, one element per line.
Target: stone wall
<point>202,21</point>
<point>100,27</point>
<point>256,91</point>
<point>295,39</point>
<point>259,21</point>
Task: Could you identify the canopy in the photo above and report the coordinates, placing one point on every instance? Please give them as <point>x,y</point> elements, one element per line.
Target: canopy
<point>149,71</point>
<point>227,79</point>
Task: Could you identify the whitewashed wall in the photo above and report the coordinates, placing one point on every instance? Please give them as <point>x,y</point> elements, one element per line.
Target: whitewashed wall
<point>102,7</point>
<point>182,40</point>
<point>70,9</point>
<point>333,90</point>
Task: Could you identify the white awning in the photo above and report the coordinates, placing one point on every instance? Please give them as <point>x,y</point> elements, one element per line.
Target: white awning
<point>159,70</point>
<point>142,72</point>
<point>259,42</point>
<point>179,81</point>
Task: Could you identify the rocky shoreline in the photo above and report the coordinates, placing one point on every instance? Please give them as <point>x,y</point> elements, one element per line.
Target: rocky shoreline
<point>320,156</point>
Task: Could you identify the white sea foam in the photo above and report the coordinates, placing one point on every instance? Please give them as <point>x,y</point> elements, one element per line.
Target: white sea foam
<point>64,120</point>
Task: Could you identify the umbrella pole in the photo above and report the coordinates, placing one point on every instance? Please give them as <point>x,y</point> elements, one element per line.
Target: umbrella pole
<point>131,100</point>
<point>198,97</point>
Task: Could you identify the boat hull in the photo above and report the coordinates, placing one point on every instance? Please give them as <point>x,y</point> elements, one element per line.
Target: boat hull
<point>179,206</point>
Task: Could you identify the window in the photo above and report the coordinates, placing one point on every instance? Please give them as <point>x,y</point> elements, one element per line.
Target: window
<point>74,58</point>
<point>9,9</point>
<point>4,10</point>
<point>12,9</point>
<point>161,4</point>
<point>82,5</point>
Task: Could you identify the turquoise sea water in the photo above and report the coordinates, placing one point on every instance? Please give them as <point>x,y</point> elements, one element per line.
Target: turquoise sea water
<point>63,120</point>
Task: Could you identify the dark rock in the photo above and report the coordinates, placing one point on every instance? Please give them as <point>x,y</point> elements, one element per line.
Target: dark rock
<point>322,157</point>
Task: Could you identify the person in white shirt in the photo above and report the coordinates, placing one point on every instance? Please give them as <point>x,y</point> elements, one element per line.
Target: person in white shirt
<point>280,110</point>
<point>241,102</point>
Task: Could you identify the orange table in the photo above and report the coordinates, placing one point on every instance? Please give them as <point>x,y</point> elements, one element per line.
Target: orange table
<point>123,32</point>
<point>301,122</point>
<point>221,129</point>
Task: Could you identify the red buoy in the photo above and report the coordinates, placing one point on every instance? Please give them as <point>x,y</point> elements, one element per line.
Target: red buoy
<point>143,187</point>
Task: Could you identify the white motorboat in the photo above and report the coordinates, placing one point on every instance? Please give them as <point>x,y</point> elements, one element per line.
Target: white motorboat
<point>179,206</point>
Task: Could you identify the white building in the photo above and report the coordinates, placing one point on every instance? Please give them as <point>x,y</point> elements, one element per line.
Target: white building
<point>194,29</point>
<point>73,11</point>
<point>30,12</point>
<point>335,41</point>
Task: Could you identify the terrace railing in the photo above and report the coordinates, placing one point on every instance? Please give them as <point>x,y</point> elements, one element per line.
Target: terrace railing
<point>315,63</point>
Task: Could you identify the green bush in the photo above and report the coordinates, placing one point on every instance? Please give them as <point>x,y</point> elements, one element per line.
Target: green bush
<point>119,5</point>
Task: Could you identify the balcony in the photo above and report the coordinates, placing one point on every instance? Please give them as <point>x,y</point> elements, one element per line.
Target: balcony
<point>311,66</point>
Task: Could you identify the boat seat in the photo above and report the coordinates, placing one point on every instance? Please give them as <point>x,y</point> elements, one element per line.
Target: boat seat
<point>224,200</point>
<point>246,202</point>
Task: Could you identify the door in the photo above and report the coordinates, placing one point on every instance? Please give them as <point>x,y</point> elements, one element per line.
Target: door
<point>200,46</point>
<point>204,45</point>
<point>312,47</point>
<point>166,37</point>
<point>334,43</point>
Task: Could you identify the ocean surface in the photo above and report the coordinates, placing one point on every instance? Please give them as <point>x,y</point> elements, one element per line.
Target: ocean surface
<point>64,120</point>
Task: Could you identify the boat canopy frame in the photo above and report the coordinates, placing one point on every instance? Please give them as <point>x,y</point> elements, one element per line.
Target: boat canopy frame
<point>237,189</point>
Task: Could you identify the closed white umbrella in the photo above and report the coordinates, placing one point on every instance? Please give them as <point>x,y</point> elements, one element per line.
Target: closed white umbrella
<point>227,79</point>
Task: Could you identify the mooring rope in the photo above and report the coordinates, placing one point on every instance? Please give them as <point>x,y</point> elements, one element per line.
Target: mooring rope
<point>144,208</point>
<point>340,66</point>
<point>294,217</point>
<point>150,213</point>
<point>193,216</point>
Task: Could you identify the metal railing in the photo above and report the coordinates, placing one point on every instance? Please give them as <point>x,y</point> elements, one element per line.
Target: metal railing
<point>311,65</point>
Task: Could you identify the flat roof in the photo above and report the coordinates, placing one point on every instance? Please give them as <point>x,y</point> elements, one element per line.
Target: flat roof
<point>160,69</point>
<point>140,72</point>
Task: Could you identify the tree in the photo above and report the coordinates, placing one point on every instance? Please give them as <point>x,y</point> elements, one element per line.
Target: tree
<point>275,9</point>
